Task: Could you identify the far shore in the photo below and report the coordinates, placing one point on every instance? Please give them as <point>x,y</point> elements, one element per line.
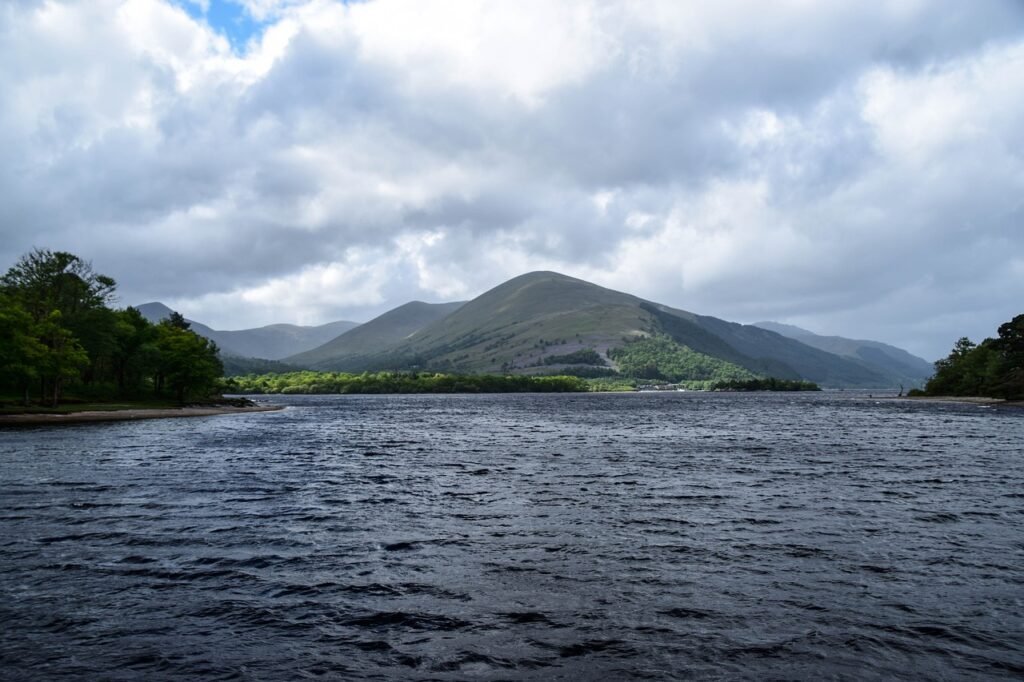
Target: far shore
<point>87,416</point>
<point>969,400</point>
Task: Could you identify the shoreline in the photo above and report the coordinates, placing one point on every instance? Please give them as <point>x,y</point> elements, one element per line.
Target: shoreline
<point>964,400</point>
<point>132,414</point>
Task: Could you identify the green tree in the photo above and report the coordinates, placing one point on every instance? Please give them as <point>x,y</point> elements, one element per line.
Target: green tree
<point>949,371</point>
<point>58,331</point>
<point>188,364</point>
<point>45,281</point>
<point>1010,347</point>
<point>995,367</point>
<point>64,357</point>
<point>136,355</point>
<point>21,351</point>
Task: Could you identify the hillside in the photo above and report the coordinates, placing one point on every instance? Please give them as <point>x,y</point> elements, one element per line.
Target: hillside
<point>350,350</point>
<point>896,362</point>
<point>278,341</point>
<point>519,323</point>
<point>272,342</point>
<point>544,321</point>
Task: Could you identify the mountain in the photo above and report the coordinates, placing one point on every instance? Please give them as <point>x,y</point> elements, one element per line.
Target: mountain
<point>350,350</point>
<point>522,321</point>
<point>272,342</point>
<point>909,369</point>
<point>278,341</point>
<point>542,321</point>
<point>156,311</point>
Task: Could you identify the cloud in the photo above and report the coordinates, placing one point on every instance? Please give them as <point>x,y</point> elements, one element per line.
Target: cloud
<point>854,169</point>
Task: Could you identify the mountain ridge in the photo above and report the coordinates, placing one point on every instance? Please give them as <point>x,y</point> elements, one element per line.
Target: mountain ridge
<point>911,368</point>
<point>524,325</point>
<point>382,331</point>
<point>543,322</point>
<point>269,342</point>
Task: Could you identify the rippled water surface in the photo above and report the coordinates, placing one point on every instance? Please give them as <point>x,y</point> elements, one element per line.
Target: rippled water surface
<point>519,536</point>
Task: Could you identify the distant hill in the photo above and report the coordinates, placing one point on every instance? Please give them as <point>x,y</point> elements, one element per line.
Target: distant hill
<point>273,342</point>
<point>519,323</point>
<point>352,350</point>
<point>546,322</point>
<point>542,321</point>
<point>902,366</point>
<point>156,311</point>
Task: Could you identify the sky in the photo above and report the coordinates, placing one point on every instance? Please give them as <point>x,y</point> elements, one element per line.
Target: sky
<point>853,168</point>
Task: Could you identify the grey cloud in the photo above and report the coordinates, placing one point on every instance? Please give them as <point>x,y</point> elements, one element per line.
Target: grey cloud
<point>652,137</point>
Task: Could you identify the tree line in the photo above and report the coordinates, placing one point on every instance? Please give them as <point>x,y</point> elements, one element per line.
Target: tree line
<point>60,336</point>
<point>763,384</point>
<point>310,382</point>
<point>993,368</point>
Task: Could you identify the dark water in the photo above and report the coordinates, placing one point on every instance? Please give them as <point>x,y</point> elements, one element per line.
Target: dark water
<point>510,537</point>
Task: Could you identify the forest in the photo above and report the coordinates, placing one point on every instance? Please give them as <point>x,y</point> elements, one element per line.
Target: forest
<point>62,341</point>
<point>764,384</point>
<point>662,359</point>
<point>993,368</point>
<point>309,382</point>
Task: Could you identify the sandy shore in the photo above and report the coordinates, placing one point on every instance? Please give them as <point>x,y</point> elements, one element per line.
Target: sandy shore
<point>128,415</point>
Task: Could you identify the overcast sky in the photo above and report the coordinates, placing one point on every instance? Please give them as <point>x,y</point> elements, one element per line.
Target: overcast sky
<point>855,168</point>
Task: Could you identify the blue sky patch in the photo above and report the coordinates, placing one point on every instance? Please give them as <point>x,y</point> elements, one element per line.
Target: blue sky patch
<point>229,19</point>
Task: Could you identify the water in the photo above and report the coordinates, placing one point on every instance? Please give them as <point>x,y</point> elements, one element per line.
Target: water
<point>809,536</point>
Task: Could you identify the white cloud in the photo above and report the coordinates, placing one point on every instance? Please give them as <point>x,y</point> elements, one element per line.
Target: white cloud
<point>856,169</point>
<point>510,49</point>
<point>305,297</point>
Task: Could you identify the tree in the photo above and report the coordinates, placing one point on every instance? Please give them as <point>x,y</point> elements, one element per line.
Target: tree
<point>64,357</point>
<point>67,304</point>
<point>136,355</point>
<point>45,281</point>
<point>1010,346</point>
<point>21,351</point>
<point>1011,336</point>
<point>995,367</point>
<point>188,363</point>
<point>178,321</point>
<point>950,371</point>
<point>58,332</point>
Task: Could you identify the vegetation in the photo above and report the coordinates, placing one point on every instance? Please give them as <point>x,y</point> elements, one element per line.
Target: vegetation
<point>586,356</point>
<point>612,384</point>
<point>59,336</point>
<point>660,358</point>
<point>764,384</point>
<point>585,371</point>
<point>993,368</point>
<point>237,366</point>
<point>309,382</point>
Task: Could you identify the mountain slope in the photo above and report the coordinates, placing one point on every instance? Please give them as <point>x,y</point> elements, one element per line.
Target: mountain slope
<point>523,323</point>
<point>272,342</point>
<point>277,341</point>
<point>544,322</point>
<point>156,311</point>
<point>348,350</point>
<point>881,357</point>
<point>810,363</point>
<point>520,322</point>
